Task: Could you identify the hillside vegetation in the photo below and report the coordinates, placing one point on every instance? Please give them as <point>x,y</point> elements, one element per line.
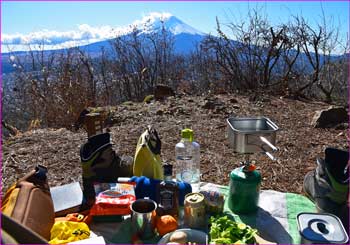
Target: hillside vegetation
<point>298,141</point>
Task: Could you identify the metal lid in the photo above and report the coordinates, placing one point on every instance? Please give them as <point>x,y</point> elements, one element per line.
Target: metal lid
<point>321,228</point>
<point>194,198</point>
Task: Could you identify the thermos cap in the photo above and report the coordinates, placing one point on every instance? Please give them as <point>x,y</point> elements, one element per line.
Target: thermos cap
<point>168,169</point>
<point>187,134</point>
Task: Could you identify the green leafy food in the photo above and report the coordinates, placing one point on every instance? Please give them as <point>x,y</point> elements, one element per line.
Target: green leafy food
<point>223,230</point>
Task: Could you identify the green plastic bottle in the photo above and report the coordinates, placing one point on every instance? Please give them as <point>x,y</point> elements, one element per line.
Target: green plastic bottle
<point>244,189</point>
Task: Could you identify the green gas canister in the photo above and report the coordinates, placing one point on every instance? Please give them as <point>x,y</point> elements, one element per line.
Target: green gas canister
<point>244,189</point>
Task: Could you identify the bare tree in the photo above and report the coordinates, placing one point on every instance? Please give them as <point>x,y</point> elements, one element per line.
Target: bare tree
<point>249,61</point>
<point>50,87</point>
<point>318,44</point>
<point>331,72</point>
<point>226,55</point>
<point>290,54</point>
<point>144,59</point>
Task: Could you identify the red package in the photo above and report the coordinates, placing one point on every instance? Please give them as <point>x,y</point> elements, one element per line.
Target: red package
<point>113,199</point>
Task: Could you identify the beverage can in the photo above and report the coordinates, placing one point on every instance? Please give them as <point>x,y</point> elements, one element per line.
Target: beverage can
<point>214,201</point>
<point>194,210</point>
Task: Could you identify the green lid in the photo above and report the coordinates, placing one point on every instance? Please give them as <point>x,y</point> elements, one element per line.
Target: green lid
<point>187,134</point>
<point>240,175</point>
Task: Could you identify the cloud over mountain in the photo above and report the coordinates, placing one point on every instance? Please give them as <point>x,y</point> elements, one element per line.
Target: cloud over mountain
<point>83,33</point>
<point>86,34</point>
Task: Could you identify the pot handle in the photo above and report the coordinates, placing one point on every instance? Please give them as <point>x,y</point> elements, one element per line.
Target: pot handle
<point>274,148</point>
<point>263,139</point>
<point>270,155</point>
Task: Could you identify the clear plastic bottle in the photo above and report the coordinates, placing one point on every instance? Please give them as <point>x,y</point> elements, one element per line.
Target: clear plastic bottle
<point>187,154</point>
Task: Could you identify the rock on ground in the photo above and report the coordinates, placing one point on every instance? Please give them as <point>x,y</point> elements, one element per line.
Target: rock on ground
<point>330,117</point>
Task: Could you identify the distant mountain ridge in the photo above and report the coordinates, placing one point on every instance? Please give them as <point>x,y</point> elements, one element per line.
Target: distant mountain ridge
<point>86,35</point>
<point>185,37</point>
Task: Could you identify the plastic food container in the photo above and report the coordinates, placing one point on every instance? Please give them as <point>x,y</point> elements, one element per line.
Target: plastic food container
<point>316,228</point>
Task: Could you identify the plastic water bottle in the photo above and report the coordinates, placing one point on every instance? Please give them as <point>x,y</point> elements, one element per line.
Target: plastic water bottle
<point>187,154</point>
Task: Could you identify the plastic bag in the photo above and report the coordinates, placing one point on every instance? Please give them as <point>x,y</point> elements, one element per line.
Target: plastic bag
<point>63,232</point>
<point>113,199</point>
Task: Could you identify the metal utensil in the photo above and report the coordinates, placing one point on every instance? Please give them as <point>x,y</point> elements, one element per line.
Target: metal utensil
<point>143,217</point>
<point>274,148</point>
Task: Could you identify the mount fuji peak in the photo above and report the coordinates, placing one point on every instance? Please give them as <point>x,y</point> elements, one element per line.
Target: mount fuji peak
<point>156,21</point>
<point>185,36</point>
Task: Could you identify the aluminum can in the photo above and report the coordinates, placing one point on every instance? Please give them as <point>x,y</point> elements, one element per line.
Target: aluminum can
<point>214,201</point>
<point>194,211</point>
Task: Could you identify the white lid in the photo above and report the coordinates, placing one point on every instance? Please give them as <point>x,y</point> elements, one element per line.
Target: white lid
<point>321,228</point>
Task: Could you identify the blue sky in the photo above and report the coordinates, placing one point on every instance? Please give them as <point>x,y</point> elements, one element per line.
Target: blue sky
<point>62,20</point>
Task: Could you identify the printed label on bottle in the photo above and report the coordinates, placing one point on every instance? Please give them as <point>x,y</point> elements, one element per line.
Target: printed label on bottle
<point>166,199</point>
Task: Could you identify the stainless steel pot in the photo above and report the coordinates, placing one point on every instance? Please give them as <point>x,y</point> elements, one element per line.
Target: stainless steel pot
<point>251,135</point>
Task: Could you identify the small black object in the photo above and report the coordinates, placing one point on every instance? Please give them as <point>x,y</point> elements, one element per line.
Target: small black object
<point>168,169</point>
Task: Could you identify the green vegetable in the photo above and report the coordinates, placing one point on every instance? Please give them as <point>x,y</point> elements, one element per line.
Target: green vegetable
<point>223,230</point>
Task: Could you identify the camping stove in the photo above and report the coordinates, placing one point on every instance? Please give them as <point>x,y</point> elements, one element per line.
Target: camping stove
<point>248,136</point>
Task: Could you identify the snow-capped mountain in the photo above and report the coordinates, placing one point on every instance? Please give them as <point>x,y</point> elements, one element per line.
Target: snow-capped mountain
<point>156,21</point>
<point>185,37</point>
<point>85,34</point>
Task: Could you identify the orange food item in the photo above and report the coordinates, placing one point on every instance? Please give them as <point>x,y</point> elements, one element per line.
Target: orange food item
<point>76,217</point>
<point>166,224</point>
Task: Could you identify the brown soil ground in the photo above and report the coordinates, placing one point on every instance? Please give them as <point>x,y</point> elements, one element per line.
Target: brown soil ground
<point>298,141</point>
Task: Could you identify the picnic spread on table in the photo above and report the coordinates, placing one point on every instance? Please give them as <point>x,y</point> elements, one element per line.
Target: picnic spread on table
<point>143,200</point>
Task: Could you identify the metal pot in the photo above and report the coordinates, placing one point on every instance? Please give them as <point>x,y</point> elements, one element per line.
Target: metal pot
<point>251,135</point>
<point>143,217</point>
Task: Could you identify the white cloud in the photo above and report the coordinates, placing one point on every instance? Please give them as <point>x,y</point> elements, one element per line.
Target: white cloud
<point>84,32</point>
